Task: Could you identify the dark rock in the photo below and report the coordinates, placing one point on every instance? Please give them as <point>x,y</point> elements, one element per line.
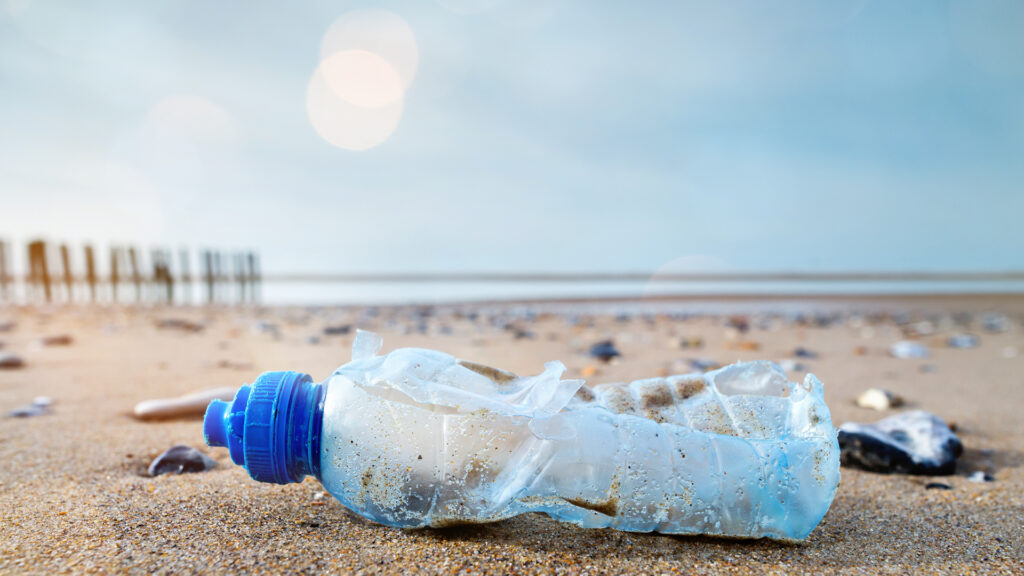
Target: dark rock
<point>995,323</point>
<point>604,351</point>
<point>804,353</point>
<point>521,334</point>
<point>38,407</point>
<point>937,486</point>
<point>695,342</point>
<point>7,326</point>
<point>10,361</point>
<point>914,442</point>
<point>739,323</point>
<point>57,340</point>
<point>179,324</point>
<point>181,459</point>
<point>339,330</point>
<point>703,364</point>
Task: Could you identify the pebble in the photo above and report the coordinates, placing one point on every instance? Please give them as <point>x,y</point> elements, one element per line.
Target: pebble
<point>7,326</point>
<point>57,340</point>
<point>39,406</point>
<point>791,365</point>
<point>805,353</point>
<point>192,404</point>
<point>179,324</point>
<point>981,476</point>
<point>703,364</point>
<point>914,442</point>
<point>937,486</point>
<point>337,330</point>
<point>878,399</point>
<point>694,343</point>
<point>10,361</point>
<point>181,459</point>
<point>745,345</point>
<point>604,351</point>
<point>963,341</point>
<point>908,349</point>
<point>995,323</point>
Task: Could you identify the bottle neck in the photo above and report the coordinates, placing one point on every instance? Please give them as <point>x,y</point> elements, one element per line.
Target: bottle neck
<point>272,427</point>
<point>304,426</point>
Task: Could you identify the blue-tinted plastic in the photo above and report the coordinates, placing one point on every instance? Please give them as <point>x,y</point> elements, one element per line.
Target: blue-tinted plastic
<point>272,427</point>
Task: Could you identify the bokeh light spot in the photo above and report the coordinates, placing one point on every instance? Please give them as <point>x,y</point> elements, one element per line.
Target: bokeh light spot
<point>378,32</point>
<point>344,124</point>
<point>362,78</point>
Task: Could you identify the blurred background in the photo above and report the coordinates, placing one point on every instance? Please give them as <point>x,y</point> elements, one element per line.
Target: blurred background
<point>483,149</point>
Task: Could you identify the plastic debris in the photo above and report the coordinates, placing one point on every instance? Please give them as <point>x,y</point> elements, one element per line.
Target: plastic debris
<point>908,349</point>
<point>40,405</point>
<point>878,399</point>
<point>914,442</point>
<point>10,361</point>
<point>604,351</point>
<point>418,438</point>
<point>181,459</point>
<point>192,404</point>
<point>963,341</point>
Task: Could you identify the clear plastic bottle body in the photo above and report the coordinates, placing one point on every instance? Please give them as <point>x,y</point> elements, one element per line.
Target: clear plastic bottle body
<point>416,439</point>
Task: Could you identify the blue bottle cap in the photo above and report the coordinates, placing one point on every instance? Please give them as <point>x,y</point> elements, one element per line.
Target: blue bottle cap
<point>272,427</point>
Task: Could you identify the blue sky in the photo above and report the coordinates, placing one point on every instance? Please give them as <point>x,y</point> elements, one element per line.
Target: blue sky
<point>534,135</point>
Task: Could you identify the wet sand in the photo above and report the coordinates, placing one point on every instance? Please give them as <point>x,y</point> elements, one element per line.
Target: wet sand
<point>74,496</point>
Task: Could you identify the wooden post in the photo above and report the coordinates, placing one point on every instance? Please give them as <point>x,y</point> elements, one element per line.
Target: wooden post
<point>133,260</point>
<point>90,272</point>
<point>185,276</point>
<point>208,274</point>
<point>4,279</point>
<point>69,280</point>
<point>39,272</point>
<point>254,276</point>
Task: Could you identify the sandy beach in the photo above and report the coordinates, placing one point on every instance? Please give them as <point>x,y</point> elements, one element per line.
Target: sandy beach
<point>75,496</point>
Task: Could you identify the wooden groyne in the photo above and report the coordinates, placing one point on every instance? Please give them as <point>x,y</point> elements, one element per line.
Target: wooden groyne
<point>60,273</point>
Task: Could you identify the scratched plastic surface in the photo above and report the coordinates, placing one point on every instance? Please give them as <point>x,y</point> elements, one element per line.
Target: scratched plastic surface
<point>418,438</point>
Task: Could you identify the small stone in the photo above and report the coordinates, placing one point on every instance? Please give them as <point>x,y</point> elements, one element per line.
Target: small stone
<point>179,324</point>
<point>232,365</point>
<point>937,486</point>
<point>791,365</point>
<point>313,340</point>
<point>805,353</point>
<point>691,343</point>
<point>981,476</point>
<point>963,341</point>
<point>744,345</point>
<point>914,442</point>
<point>337,330</point>
<point>604,351</point>
<point>7,326</point>
<point>995,323</point>
<point>188,405</point>
<point>860,351</point>
<point>10,361</point>
<point>523,334</point>
<point>57,340</point>
<point>589,371</point>
<point>908,349</point>
<point>878,399</point>
<point>703,364</point>
<point>39,406</point>
<point>181,459</point>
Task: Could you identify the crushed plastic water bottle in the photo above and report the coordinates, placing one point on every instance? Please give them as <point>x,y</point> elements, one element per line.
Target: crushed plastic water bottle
<point>418,438</point>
